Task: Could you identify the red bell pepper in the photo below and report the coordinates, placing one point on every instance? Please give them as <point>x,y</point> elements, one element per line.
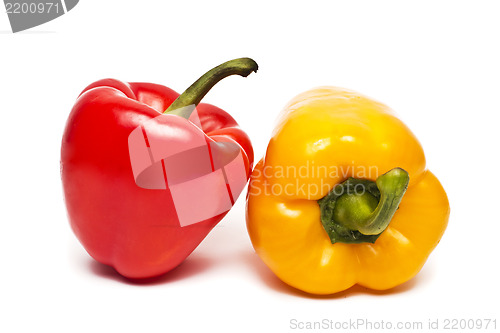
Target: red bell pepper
<point>126,218</point>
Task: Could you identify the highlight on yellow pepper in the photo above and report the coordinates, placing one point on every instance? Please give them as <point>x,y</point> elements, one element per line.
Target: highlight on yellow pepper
<point>343,196</point>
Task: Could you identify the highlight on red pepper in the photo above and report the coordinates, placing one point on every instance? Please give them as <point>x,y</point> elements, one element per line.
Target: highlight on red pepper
<point>147,173</point>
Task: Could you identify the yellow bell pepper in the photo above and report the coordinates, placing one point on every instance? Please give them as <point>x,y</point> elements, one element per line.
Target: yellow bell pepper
<point>343,197</point>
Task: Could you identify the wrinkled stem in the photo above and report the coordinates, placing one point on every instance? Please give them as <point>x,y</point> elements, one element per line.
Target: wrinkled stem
<point>361,209</point>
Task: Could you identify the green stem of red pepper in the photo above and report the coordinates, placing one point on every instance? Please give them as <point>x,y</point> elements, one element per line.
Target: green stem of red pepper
<point>185,104</point>
<point>359,210</point>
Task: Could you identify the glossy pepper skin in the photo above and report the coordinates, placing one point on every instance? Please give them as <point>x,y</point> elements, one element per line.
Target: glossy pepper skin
<point>132,229</point>
<point>334,127</point>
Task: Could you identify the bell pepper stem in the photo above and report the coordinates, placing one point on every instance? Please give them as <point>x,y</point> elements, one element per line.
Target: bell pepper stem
<point>392,186</point>
<point>362,209</point>
<point>185,104</point>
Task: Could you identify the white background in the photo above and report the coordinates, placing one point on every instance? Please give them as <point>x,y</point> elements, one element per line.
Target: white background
<point>437,63</point>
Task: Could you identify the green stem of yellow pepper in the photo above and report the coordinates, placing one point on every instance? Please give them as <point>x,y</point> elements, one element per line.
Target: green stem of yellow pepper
<point>359,210</point>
